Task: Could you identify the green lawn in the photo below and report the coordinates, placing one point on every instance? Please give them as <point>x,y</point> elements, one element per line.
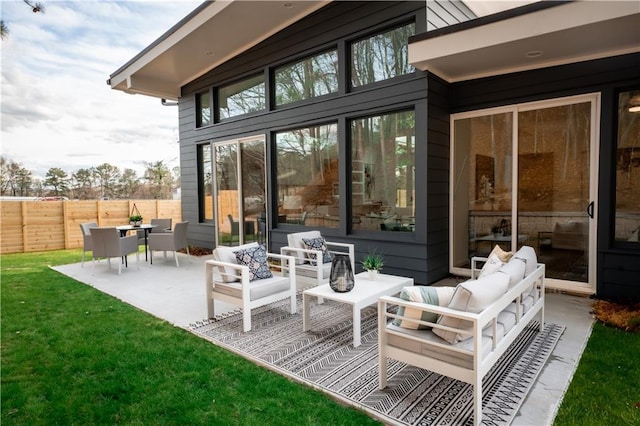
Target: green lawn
<point>606,387</point>
<point>73,355</point>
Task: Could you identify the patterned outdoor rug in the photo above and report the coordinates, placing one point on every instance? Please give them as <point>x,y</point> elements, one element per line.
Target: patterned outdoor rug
<point>326,359</point>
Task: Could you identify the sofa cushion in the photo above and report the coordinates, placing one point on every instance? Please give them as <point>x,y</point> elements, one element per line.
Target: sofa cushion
<point>528,255</point>
<point>256,259</point>
<point>228,255</point>
<point>317,244</point>
<point>514,269</point>
<point>438,296</point>
<point>471,296</point>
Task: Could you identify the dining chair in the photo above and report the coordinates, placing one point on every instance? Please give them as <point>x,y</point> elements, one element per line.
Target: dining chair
<point>86,238</point>
<point>161,225</point>
<point>170,241</point>
<point>107,243</point>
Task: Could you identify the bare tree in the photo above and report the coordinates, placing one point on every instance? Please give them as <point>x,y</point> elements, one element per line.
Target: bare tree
<point>36,7</point>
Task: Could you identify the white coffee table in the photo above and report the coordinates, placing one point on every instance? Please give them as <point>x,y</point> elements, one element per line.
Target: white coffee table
<point>364,293</point>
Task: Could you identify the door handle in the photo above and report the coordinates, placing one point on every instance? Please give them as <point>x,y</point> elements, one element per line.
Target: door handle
<point>590,209</point>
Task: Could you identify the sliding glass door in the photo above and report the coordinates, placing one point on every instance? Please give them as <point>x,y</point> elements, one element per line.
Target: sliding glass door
<point>240,191</point>
<point>543,197</point>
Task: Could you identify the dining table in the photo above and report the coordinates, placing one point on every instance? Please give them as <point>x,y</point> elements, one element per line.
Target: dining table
<point>123,229</point>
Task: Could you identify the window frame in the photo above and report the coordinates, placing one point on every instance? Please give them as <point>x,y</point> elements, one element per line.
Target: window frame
<point>275,172</point>
<point>622,244</point>
<point>273,71</point>
<point>350,62</point>
<point>218,118</point>
<point>198,105</point>
<point>411,108</point>
<point>201,182</point>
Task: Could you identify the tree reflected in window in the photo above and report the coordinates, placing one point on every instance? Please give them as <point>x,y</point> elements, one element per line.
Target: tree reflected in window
<point>628,168</point>
<point>307,79</point>
<point>241,98</point>
<point>307,176</point>
<point>383,172</point>
<point>381,57</point>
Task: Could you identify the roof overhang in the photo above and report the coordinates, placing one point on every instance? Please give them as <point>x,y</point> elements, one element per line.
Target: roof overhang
<point>213,33</point>
<point>535,36</point>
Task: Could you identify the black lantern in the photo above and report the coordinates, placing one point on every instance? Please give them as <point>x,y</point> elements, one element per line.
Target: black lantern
<point>341,279</point>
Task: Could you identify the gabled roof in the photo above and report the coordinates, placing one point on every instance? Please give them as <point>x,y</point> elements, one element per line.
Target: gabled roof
<point>534,36</point>
<point>212,34</point>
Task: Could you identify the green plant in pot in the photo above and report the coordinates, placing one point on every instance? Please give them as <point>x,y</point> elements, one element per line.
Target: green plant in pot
<point>135,220</point>
<point>373,263</point>
<point>496,231</point>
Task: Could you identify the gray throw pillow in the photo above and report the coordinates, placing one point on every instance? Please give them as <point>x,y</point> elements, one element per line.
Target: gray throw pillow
<point>318,244</point>
<point>256,259</point>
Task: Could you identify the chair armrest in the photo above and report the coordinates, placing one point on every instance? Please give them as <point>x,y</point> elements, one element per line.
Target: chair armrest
<point>239,269</point>
<point>129,244</point>
<point>302,255</point>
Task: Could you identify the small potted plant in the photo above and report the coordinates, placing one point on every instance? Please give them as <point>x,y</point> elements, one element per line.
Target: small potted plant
<point>135,220</point>
<point>372,263</point>
<point>497,232</point>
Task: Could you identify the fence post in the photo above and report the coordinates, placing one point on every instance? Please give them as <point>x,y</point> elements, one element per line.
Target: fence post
<point>65,224</point>
<point>23,221</point>
<point>99,211</point>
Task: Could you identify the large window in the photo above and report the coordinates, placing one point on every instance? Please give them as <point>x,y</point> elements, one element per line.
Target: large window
<point>205,176</point>
<point>307,79</point>
<point>241,98</point>
<point>382,56</point>
<point>307,176</point>
<point>628,168</point>
<point>383,170</point>
<point>203,109</point>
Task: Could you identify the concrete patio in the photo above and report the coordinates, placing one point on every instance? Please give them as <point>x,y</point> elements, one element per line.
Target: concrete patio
<point>177,295</point>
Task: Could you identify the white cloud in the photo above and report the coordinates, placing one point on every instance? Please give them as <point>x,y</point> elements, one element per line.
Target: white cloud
<point>57,110</point>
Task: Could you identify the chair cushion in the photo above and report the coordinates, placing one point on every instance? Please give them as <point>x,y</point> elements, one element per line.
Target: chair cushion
<point>256,259</point>
<point>307,270</point>
<point>257,289</point>
<point>317,244</point>
<point>471,296</point>
<point>438,296</point>
<point>514,269</point>
<point>228,255</point>
<point>528,255</point>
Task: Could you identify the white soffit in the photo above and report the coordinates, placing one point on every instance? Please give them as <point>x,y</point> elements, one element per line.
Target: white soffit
<point>567,33</point>
<point>217,33</point>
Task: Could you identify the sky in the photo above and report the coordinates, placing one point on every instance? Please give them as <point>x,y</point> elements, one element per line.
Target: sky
<point>56,107</point>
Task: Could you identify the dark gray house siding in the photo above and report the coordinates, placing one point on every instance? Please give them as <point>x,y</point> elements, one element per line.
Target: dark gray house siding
<point>618,268</point>
<point>422,254</point>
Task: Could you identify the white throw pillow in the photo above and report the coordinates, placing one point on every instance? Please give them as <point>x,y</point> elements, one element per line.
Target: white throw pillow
<point>228,255</point>
<point>471,296</point>
<point>514,269</point>
<point>496,259</point>
<point>528,255</point>
<point>437,296</point>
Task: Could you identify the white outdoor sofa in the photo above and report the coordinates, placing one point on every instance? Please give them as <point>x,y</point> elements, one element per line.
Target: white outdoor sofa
<point>475,337</point>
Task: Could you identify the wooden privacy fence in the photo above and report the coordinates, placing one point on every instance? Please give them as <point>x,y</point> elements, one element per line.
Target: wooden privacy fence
<point>29,226</point>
